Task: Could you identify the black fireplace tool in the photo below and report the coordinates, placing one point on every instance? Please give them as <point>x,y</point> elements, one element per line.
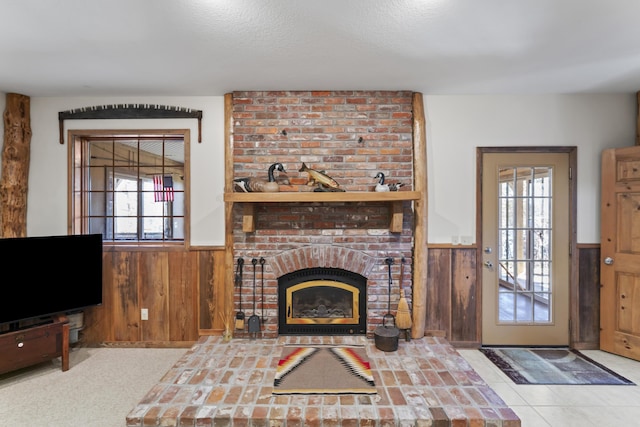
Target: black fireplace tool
<point>386,336</point>
<point>254,319</point>
<point>262,261</point>
<point>239,323</point>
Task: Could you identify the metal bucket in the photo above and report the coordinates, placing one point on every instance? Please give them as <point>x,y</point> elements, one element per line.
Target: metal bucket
<point>386,336</point>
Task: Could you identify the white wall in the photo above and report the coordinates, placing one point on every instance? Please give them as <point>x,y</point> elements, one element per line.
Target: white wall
<point>456,126</point>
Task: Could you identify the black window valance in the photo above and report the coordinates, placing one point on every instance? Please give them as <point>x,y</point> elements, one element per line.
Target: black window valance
<point>130,111</point>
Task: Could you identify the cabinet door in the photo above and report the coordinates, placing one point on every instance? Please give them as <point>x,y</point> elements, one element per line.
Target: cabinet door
<point>28,347</point>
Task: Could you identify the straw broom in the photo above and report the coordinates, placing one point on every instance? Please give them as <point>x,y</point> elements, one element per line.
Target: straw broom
<point>403,317</point>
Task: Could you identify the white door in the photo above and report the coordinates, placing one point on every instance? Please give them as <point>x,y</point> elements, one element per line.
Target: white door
<point>525,249</point>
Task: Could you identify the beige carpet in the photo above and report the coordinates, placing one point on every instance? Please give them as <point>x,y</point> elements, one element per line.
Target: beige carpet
<point>99,389</point>
<point>323,370</point>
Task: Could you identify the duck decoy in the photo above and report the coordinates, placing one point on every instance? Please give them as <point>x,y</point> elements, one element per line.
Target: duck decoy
<point>382,186</point>
<point>258,185</point>
<point>395,186</point>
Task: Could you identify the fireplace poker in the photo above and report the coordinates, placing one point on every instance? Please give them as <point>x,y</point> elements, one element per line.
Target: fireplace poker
<point>262,261</point>
<point>239,323</point>
<point>390,318</point>
<point>254,320</point>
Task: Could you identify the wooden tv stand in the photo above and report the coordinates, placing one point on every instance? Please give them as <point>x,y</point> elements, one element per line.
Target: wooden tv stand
<point>35,344</point>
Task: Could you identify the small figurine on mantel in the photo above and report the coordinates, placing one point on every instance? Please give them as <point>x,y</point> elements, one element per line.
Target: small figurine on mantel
<point>258,185</point>
<point>323,181</point>
<point>382,186</point>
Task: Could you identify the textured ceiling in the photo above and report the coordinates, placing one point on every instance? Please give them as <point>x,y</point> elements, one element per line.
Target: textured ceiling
<point>211,47</point>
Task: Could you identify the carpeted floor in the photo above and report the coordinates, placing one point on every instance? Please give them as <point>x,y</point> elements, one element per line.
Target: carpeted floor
<point>99,389</point>
<point>323,370</point>
<point>551,366</point>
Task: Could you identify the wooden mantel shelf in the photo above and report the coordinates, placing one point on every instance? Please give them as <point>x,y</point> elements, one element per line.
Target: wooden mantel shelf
<point>324,196</point>
<point>395,200</point>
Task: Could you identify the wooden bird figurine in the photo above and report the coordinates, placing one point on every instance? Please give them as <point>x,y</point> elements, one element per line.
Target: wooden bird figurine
<point>381,186</point>
<point>320,179</point>
<point>258,185</point>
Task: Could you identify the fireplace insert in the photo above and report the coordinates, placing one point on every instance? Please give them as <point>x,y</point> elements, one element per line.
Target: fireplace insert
<point>322,301</point>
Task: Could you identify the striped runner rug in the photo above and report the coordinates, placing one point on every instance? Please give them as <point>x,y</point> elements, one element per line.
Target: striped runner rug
<point>323,370</point>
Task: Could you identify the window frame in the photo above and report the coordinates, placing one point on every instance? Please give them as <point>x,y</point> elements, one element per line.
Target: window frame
<point>77,184</point>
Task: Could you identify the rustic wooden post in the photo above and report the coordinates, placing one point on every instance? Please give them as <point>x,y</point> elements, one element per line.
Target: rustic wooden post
<point>227,305</point>
<point>14,182</point>
<point>420,259</point>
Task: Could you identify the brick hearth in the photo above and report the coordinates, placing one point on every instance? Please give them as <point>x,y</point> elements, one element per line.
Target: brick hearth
<point>424,383</point>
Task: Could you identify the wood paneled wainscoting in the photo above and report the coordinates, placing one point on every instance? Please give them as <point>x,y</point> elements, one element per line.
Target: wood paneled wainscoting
<point>453,295</point>
<point>454,303</point>
<point>585,311</point>
<point>179,288</point>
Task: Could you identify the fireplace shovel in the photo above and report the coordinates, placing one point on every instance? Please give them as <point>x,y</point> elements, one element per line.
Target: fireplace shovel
<point>254,319</point>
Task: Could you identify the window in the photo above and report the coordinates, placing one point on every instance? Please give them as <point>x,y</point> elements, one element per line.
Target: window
<point>130,187</point>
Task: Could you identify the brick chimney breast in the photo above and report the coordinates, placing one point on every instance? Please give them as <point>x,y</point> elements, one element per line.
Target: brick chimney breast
<point>351,136</point>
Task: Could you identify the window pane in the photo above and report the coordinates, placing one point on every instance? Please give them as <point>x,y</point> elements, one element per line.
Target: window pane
<point>153,228</point>
<point>524,219</point>
<point>98,226</point>
<point>178,228</point>
<point>178,204</point>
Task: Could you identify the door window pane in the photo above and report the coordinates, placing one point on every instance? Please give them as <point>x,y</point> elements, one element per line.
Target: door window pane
<point>524,230</point>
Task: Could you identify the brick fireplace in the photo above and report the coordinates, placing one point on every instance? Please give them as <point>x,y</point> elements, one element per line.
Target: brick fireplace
<point>350,135</point>
<point>231,383</point>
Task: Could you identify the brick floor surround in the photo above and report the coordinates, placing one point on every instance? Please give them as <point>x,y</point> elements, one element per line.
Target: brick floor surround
<point>424,383</point>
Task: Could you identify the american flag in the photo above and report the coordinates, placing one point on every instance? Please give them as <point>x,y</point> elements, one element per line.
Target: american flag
<point>163,188</point>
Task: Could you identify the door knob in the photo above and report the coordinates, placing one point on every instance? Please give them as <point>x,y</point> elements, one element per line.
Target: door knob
<point>608,260</point>
<point>488,264</point>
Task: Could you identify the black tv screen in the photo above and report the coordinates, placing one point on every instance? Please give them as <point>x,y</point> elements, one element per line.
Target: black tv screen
<point>48,275</point>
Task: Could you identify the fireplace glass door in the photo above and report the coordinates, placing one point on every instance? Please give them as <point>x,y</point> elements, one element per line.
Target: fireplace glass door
<point>314,304</point>
<point>322,301</point>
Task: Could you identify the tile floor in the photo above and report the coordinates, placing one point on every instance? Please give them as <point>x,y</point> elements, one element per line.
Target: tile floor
<point>572,405</point>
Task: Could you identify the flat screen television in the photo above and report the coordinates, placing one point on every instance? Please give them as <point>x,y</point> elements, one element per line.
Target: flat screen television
<point>47,275</point>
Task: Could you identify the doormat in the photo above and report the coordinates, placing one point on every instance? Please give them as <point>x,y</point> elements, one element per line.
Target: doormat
<point>323,370</point>
<point>551,366</point>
